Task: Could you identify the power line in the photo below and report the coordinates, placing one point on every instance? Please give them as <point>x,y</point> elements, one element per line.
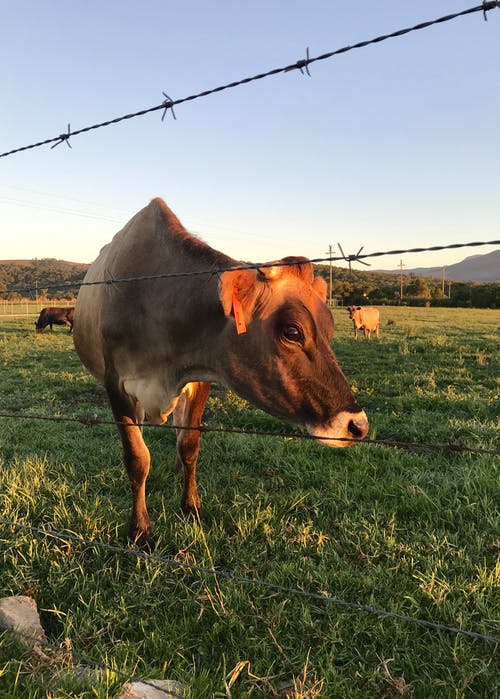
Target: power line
<point>302,64</point>
<point>58,210</point>
<point>401,265</point>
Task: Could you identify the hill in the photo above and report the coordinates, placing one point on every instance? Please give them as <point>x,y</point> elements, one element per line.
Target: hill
<point>59,279</point>
<point>476,268</point>
<point>60,276</point>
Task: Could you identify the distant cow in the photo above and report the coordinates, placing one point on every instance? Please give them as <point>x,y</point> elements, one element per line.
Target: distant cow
<point>53,315</point>
<point>158,344</point>
<point>365,318</point>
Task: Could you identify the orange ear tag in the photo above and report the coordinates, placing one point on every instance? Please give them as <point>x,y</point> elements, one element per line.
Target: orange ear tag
<point>238,313</point>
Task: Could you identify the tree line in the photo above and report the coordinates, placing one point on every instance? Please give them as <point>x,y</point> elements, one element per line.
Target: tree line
<point>53,279</point>
<point>46,278</point>
<point>383,289</point>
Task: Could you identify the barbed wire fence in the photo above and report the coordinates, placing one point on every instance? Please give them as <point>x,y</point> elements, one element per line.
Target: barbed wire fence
<point>214,271</point>
<point>166,105</point>
<point>94,421</point>
<point>302,65</point>
<point>229,575</point>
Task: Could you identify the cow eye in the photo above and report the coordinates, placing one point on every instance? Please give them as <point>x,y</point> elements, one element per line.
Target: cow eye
<point>292,333</point>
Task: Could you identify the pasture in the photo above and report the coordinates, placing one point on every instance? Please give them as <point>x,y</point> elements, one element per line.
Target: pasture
<point>412,532</point>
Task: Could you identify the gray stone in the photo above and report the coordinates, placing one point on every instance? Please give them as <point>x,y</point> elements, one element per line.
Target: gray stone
<point>162,689</point>
<point>20,614</point>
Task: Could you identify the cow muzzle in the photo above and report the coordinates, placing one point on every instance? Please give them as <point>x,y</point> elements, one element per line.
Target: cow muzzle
<point>344,430</point>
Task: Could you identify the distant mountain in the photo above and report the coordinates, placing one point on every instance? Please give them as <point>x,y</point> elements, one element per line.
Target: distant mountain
<point>477,268</point>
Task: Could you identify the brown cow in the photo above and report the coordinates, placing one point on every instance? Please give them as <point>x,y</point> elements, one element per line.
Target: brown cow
<point>365,318</point>
<point>156,345</point>
<point>53,315</point>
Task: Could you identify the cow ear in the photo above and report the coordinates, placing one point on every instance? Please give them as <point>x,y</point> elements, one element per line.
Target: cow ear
<point>320,287</point>
<point>244,282</point>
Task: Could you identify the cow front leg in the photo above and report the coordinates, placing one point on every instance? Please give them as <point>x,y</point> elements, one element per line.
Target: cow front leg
<point>137,463</point>
<point>188,413</point>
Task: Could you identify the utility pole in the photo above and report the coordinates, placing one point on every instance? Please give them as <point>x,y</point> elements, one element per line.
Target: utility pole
<point>401,265</point>
<point>442,280</point>
<point>330,253</point>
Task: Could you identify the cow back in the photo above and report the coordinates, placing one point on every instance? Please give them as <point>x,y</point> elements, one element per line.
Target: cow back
<point>136,314</point>
<point>369,318</point>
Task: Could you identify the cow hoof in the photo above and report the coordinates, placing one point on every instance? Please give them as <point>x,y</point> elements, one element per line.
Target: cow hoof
<point>196,515</point>
<point>144,542</point>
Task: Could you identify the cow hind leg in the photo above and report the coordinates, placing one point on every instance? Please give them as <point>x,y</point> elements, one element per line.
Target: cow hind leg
<point>188,413</point>
<point>137,463</point>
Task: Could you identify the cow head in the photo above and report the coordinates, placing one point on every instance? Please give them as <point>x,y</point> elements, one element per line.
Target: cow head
<point>284,363</point>
<point>353,311</point>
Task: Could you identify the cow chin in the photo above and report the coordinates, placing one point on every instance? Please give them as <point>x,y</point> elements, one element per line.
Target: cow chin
<point>344,430</point>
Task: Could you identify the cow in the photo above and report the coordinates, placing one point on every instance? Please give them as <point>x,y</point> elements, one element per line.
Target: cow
<point>53,315</point>
<point>157,344</point>
<point>365,318</point>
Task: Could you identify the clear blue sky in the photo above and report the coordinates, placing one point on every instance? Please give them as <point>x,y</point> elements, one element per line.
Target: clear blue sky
<point>393,145</point>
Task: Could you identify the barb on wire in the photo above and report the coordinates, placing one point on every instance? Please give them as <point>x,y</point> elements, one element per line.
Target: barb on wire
<point>353,258</point>
<point>258,265</point>
<point>230,575</point>
<point>304,63</point>
<point>168,103</point>
<point>489,6</point>
<point>63,137</point>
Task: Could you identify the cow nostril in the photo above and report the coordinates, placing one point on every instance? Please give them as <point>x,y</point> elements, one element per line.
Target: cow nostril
<point>359,428</point>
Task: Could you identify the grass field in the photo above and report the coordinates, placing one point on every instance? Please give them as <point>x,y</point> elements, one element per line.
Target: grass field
<point>415,533</point>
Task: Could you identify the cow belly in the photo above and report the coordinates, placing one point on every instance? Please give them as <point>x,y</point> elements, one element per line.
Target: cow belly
<point>155,400</point>
<point>88,344</point>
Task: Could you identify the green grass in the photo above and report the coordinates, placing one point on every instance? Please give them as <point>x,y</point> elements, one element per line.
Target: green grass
<point>413,533</point>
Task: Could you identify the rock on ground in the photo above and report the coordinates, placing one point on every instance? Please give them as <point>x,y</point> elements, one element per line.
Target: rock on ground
<point>162,689</point>
<point>20,614</point>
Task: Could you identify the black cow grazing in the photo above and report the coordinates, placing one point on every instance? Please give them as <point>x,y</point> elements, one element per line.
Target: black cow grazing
<point>53,315</point>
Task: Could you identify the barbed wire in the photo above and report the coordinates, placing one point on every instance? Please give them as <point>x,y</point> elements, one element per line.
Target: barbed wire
<point>301,65</point>
<point>357,257</point>
<point>229,575</point>
<point>92,421</point>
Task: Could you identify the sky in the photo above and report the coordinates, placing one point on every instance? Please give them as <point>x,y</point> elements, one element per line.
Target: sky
<point>396,145</point>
